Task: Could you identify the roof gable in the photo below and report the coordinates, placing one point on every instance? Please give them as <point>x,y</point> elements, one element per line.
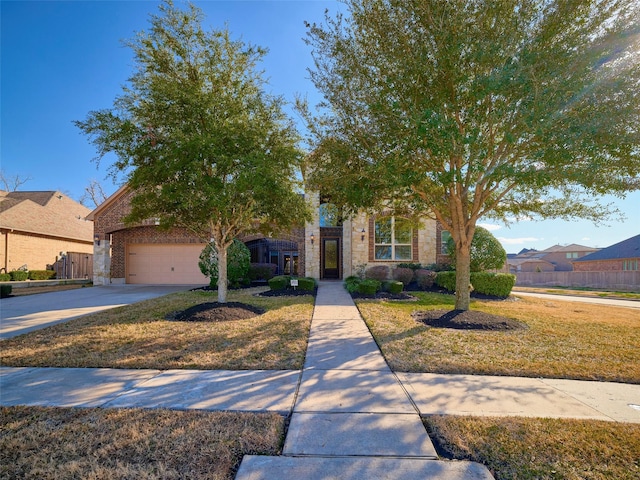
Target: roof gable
<point>629,248</point>
<point>48,213</point>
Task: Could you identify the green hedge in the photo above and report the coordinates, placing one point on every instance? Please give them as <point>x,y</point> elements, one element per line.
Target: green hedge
<point>369,287</point>
<point>446,280</point>
<point>5,277</point>
<point>5,290</point>
<point>41,274</point>
<point>307,284</point>
<point>394,286</point>
<point>279,283</point>
<point>351,283</point>
<point>498,284</point>
<point>19,275</point>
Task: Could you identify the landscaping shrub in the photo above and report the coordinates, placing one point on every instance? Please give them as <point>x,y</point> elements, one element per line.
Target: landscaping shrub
<point>439,267</point>
<point>19,275</point>
<point>261,271</point>
<point>307,284</point>
<point>41,274</point>
<point>238,261</point>
<point>446,280</point>
<point>279,283</point>
<point>369,287</point>
<point>379,272</point>
<point>5,277</point>
<point>394,286</point>
<point>5,290</point>
<point>425,278</point>
<point>412,266</point>
<point>351,283</point>
<point>402,274</point>
<point>498,284</point>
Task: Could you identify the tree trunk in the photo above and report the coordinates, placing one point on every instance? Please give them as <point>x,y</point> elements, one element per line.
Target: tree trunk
<point>222,274</point>
<point>463,276</point>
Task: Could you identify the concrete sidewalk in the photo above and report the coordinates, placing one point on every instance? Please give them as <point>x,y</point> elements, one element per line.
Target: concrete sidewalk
<point>351,417</point>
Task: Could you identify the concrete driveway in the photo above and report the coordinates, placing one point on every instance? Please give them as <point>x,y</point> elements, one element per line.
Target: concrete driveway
<point>23,314</point>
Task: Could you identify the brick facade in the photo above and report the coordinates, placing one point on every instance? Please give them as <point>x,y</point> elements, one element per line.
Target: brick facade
<point>615,265</point>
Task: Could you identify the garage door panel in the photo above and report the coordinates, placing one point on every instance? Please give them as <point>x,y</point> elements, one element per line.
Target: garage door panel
<point>164,264</point>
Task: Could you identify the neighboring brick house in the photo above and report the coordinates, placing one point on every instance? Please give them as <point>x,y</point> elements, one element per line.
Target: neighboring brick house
<point>620,257</point>
<point>562,256</point>
<point>36,228</point>
<point>325,248</point>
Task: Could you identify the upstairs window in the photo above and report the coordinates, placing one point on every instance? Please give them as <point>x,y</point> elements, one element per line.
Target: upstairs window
<point>329,215</point>
<point>393,239</point>
<point>444,240</point>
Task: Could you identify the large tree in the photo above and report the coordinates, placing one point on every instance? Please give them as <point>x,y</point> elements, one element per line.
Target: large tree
<point>201,142</point>
<point>464,109</point>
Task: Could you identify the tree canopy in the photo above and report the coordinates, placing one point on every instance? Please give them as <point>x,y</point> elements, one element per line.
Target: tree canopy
<point>203,145</point>
<point>466,109</point>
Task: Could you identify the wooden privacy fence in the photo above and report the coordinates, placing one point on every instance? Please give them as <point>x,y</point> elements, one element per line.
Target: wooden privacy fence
<point>74,265</point>
<point>628,281</point>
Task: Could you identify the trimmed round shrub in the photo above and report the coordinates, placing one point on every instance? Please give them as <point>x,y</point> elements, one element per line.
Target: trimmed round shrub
<point>379,272</point>
<point>486,251</point>
<point>351,283</point>
<point>497,284</point>
<point>404,275</point>
<point>19,275</point>
<point>369,287</point>
<point>5,290</point>
<point>307,284</point>
<point>425,278</point>
<point>446,280</point>
<point>41,274</point>
<point>5,277</point>
<point>279,283</point>
<point>394,286</point>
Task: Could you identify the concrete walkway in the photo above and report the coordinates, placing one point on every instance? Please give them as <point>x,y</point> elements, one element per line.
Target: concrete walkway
<point>351,417</point>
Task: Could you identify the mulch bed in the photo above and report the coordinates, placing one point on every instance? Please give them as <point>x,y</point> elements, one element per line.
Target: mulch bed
<point>217,312</point>
<point>467,320</point>
<point>288,292</point>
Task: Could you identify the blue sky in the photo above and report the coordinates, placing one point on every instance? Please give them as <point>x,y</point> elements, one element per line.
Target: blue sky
<point>62,59</point>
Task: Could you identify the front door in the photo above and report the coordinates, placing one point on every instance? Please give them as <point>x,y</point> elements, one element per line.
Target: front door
<point>330,258</point>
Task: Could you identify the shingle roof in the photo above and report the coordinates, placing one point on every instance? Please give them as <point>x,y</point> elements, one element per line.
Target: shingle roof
<point>46,213</point>
<point>629,248</point>
<point>574,247</point>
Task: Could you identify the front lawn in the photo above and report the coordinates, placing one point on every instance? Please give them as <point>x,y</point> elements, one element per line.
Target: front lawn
<point>56,443</point>
<point>540,448</point>
<point>143,335</point>
<point>564,339</point>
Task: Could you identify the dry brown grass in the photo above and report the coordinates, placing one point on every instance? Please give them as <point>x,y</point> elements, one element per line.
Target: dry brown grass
<point>564,340</point>
<point>54,443</point>
<point>139,336</point>
<point>528,448</point>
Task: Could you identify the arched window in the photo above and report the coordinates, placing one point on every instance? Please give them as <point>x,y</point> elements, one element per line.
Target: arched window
<point>329,215</point>
<point>393,239</point>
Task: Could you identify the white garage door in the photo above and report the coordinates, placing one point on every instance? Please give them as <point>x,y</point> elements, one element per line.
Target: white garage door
<point>164,264</point>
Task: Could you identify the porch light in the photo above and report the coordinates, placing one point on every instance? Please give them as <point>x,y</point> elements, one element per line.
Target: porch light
<point>313,237</point>
<point>362,235</point>
<point>96,239</point>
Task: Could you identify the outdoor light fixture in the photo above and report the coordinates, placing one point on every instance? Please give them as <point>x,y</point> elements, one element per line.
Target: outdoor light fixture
<point>96,239</point>
<point>313,237</point>
<point>362,236</point>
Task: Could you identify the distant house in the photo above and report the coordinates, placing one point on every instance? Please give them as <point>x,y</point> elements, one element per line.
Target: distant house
<point>553,259</point>
<point>37,228</point>
<point>562,256</point>
<point>623,256</point>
